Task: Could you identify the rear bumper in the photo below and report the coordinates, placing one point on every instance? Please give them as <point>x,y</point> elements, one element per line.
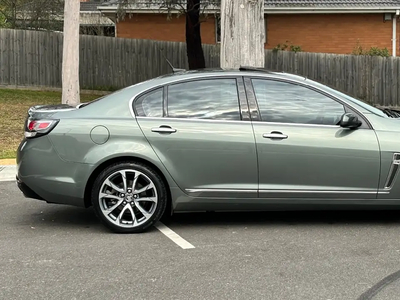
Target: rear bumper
<point>28,193</point>
<point>43,175</point>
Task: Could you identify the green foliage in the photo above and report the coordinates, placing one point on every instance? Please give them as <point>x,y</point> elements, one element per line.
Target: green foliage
<point>3,21</point>
<point>14,105</point>
<point>28,14</point>
<point>295,48</point>
<point>287,47</point>
<point>373,51</point>
<point>282,47</point>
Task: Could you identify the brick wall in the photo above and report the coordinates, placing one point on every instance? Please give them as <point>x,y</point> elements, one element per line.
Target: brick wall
<point>157,27</point>
<point>334,33</point>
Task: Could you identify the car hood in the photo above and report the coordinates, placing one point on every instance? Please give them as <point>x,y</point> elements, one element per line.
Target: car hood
<point>383,123</point>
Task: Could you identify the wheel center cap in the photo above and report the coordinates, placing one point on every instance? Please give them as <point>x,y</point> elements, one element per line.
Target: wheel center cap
<point>129,198</point>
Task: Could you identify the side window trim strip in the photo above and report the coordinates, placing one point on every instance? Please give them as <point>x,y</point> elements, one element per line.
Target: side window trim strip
<point>251,97</point>
<point>165,101</point>
<point>243,103</point>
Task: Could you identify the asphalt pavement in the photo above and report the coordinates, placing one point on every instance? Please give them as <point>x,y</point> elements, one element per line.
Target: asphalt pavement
<point>50,251</point>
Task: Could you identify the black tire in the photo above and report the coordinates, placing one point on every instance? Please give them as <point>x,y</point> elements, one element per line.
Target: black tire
<point>147,171</point>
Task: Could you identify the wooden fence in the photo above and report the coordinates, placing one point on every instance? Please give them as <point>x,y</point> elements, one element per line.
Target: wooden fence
<point>32,58</point>
<point>370,78</point>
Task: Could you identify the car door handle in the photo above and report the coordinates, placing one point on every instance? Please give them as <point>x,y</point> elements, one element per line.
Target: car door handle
<point>163,129</point>
<point>275,135</point>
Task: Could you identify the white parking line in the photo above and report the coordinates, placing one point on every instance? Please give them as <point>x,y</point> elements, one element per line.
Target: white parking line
<point>173,236</point>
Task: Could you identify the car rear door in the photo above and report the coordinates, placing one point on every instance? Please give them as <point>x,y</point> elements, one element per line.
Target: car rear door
<point>200,130</point>
<point>302,152</point>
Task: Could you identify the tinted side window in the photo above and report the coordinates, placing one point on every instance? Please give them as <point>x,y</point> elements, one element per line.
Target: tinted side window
<point>150,105</point>
<point>290,103</point>
<point>204,99</point>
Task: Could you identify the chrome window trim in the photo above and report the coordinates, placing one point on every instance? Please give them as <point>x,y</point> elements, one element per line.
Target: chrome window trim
<point>318,191</point>
<point>182,80</point>
<point>52,110</point>
<point>138,95</point>
<point>380,192</point>
<point>211,77</point>
<point>193,120</point>
<point>148,93</point>
<point>298,124</point>
<point>131,106</point>
<point>310,86</point>
<point>254,110</point>
<point>219,190</point>
<point>165,101</point>
<point>237,74</point>
<point>393,172</point>
<point>285,191</point>
<point>243,103</point>
<point>238,121</point>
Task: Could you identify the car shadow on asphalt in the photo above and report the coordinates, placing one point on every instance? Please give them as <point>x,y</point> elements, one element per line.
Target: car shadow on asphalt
<point>355,217</point>
<point>68,217</point>
<point>74,217</point>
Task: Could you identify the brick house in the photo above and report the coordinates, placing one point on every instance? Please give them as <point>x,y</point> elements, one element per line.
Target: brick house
<point>330,26</point>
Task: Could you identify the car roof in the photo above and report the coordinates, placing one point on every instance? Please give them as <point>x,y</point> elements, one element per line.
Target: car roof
<point>183,75</point>
<point>133,91</point>
<point>242,71</point>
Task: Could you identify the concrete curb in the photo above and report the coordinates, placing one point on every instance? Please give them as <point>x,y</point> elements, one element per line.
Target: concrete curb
<point>7,162</point>
<point>7,173</point>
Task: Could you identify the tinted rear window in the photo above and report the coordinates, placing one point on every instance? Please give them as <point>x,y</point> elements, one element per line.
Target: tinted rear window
<point>204,99</point>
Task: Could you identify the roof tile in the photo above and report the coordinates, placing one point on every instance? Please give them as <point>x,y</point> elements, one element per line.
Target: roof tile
<point>332,3</point>
<point>90,5</point>
<point>286,3</point>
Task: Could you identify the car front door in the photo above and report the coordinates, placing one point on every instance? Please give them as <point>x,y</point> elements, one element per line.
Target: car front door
<point>303,152</point>
<point>201,132</point>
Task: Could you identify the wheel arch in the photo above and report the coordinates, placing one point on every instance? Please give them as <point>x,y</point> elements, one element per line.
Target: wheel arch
<point>111,161</point>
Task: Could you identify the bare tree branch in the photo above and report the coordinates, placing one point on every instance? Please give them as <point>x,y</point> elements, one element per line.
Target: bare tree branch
<point>36,14</point>
<point>194,11</point>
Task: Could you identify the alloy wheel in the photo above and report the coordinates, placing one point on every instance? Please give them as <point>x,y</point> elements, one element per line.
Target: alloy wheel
<point>128,198</point>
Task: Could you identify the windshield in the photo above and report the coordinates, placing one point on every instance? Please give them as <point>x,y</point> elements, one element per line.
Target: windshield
<point>364,105</point>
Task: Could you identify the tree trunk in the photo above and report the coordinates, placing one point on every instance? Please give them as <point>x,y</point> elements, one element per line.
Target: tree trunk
<point>14,15</point>
<point>70,65</point>
<point>195,52</point>
<point>242,33</point>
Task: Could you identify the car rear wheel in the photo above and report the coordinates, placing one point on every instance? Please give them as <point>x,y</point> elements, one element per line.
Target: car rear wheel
<point>129,197</point>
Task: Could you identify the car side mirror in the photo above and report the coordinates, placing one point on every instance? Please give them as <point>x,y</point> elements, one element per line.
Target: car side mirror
<point>349,120</point>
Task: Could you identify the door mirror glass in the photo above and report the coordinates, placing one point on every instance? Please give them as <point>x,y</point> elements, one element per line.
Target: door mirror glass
<point>349,120</point>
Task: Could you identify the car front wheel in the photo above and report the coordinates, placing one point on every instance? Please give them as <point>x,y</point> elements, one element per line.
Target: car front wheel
<point>129,197</point>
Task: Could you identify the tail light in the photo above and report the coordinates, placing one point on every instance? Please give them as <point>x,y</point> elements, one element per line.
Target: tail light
<point>36,128</point>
